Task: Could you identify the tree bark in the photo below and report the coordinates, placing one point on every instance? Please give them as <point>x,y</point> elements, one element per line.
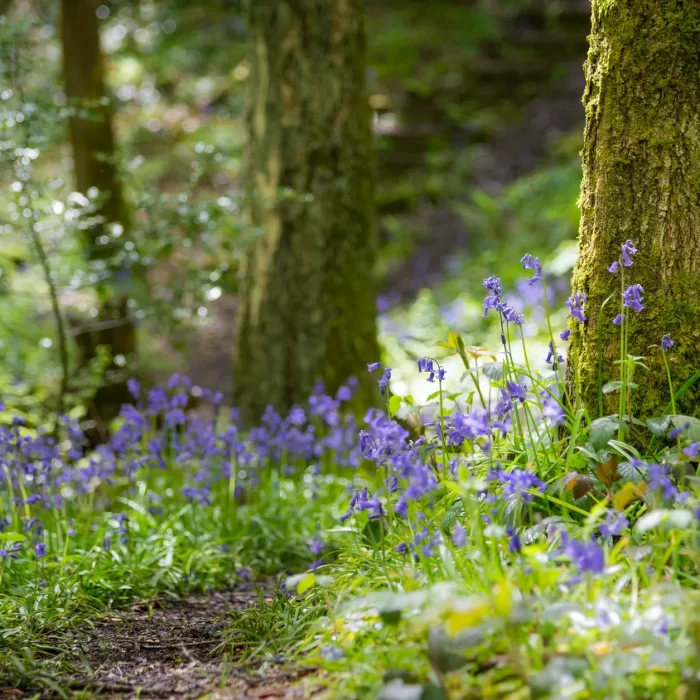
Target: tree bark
<point>308,295</point>
<point>92,140</point>
<point>641,181</point>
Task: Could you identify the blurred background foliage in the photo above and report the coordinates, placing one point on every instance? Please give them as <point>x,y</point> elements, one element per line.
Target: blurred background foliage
<point>477,120</point>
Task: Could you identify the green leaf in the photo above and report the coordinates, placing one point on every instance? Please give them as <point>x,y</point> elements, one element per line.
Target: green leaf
<point>12,537</point>
<point>602,430</point>
<point>434,395</point>
<point>689,425</point>
<point>659,426</point>
<point>612,386</point>
<point>394,404</point>
<point>307,581</point>
<point>493,370</point>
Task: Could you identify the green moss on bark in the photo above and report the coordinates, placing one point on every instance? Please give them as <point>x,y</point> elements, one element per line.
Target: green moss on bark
<point>308,298</point>
<point>641,181</point>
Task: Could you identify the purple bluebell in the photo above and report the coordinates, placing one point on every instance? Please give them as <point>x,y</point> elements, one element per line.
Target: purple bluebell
<point>666,343</point>
<point>133,387</point>
<point>628,249</point>
<point>40,550</point>
<point>633,297</point>
<point>516,391</point>
<point>514,544</point>
<point>552,411</point>
<point>692,451</point>
<point>530,263</point>
<point>553,357</point>
<point>373,366</point>
<point>575,303</point>
<point>427,364</point>
<point>588,557</point>
<point>565,335</point>
<point>458,536</point>
<point>615,524</point>
<point>613,267</point>
<point>659,480</point>
<point>316,545</point>
<point>384,380</point>
<point>617,321</point>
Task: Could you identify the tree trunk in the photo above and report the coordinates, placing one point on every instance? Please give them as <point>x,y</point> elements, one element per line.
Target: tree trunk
<point>92,139</point>
<point>641,181</point>
<point>308,297</point>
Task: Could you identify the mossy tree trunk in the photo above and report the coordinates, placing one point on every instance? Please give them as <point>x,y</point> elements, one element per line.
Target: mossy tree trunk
<point>92,140</point>
<point>308,297</point>
<point>641,181</point>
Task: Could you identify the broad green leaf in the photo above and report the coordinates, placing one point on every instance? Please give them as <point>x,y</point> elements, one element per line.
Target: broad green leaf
<point>659,426</point>
<point>689,425</point>
<point>307,582</point>
<point>394,404</point>
<point>602,430</point>
<point>612,386</point>
<point>493,370</point>
<point>12,537</point>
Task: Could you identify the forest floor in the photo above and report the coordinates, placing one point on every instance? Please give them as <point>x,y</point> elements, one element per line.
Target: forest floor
<point>170,649</point>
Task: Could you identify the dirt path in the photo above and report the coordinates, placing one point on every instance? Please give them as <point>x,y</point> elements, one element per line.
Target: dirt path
<point>172,649</point>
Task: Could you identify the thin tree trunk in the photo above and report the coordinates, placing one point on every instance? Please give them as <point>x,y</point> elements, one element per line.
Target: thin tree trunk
<point>641,181</point>
<point>308,310</point>
<point>92,139</point>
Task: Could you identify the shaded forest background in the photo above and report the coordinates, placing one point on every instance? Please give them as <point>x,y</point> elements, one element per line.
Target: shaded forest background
<point>477,126</point>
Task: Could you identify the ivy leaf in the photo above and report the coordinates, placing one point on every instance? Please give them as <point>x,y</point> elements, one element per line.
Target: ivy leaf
<point>659,426</point>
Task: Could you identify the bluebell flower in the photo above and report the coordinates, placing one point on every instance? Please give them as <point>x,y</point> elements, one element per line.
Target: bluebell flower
<point>614,524</point>
<point>512,316</point>
<point>613,267</point>
<point>516,391</point>
<point>316,545</point>
<point>514,544</point>
<point>588,557</point>
<point>628,249</point>
<point>565,335</point>
<point>134,387</point>
<point>575,303</point>
<point>427,364</point>
<point>660,481</point>
<point>40,550</point>
<point>552,411</point>
<point>692,451</point>
<point>401,508</point>
<point>458,536</point>
<point>493,284</point>
<point>666,343</point>
<point>530,263</point>
<point>633,297</point>
<point>372,366</point>
<point>617,321</point>
<point>553,357</point>
<point>384,381</point>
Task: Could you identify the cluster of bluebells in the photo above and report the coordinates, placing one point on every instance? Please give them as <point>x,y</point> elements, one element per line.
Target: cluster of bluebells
<point>45,473</point>
<point>493,300</point>
<point>433,368</point>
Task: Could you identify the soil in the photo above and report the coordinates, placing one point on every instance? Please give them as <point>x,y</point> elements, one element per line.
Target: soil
<point>173,649</point>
